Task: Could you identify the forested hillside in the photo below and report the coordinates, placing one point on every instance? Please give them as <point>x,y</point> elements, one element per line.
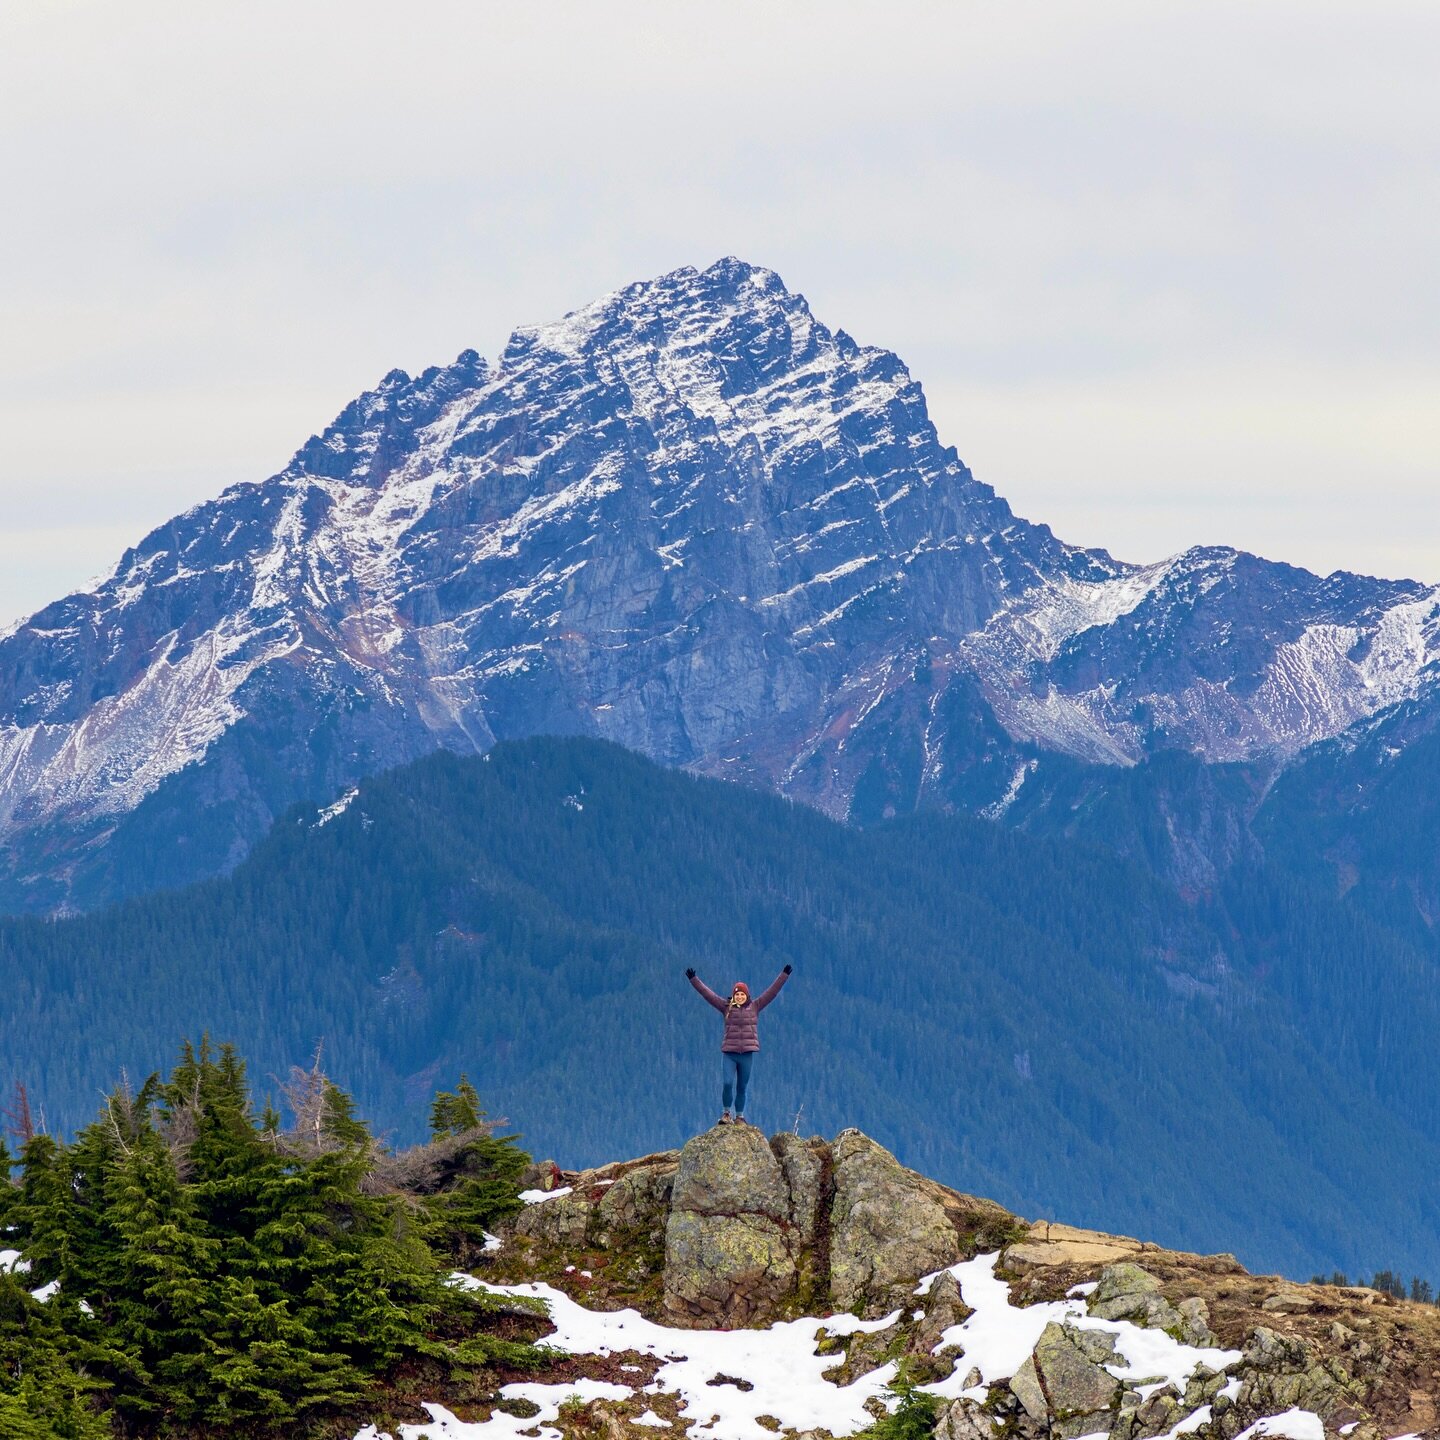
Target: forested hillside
<point>1020,1017</point>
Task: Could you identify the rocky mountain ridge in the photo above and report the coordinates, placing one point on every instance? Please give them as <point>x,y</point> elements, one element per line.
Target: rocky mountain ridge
<point>1002,1327</point>
<point>689,518</point>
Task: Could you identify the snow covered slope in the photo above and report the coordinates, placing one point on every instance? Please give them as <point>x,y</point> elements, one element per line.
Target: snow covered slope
<point>784,1367</point>
<point>689,518</point>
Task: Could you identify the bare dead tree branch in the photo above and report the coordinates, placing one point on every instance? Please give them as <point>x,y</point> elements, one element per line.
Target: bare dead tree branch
<point>17,1117</point>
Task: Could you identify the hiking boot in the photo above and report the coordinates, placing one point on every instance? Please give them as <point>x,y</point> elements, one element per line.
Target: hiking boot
<point>724,1119</point>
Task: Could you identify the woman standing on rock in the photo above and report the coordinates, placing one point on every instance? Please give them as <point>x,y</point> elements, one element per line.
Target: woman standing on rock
<point>742,1037</point>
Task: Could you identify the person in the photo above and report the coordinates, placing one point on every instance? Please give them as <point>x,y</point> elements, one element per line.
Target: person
<point>741,1040</point>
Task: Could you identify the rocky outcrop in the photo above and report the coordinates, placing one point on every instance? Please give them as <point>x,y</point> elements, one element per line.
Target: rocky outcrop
<point>746,1230</point>
<point>1127,1292</point>
<point>731,1246</point>
<point>1283,1372</point>
<point>1063,1383</point>
<point>609,1208</point>
<point>735,1230</point>
<point>884,1227</point>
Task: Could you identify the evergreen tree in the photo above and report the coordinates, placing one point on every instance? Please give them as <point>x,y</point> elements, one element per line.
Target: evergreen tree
<point>42,1394</point>
<point>7,1187</point>
<point>228,1277</point>
<point>43,1213</point>
<point>162,1312</point>
<point>476,1172</point>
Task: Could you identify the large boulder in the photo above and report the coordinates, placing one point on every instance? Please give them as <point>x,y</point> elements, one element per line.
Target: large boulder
<point>636,1205</point>
<point>965,1420</point>
<point>1061,1383</point>
<point>888,1227</point>
<point>731,1250</point>
<point>611,1206</point>
<point>1126,1292</point>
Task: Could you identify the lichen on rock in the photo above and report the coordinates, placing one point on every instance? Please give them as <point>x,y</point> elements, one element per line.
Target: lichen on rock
<point>731,1247</point>
<point>886,1229</point>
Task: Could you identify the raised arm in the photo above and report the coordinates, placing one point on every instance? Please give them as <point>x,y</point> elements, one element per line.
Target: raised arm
<point>706,993</point>
<point>772,990</point>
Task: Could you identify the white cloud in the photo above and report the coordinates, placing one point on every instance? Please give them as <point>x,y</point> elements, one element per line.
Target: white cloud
<point>1112,223</point>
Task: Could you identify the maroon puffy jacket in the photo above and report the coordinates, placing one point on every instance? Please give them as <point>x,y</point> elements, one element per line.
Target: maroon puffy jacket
<point>741,1021</point>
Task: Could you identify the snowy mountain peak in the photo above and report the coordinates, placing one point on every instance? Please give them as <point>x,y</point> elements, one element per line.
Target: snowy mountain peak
<point>689,518</point>
<point>663,306</point>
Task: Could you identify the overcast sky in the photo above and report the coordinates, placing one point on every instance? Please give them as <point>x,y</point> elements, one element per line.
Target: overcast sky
<point>1167,271</point>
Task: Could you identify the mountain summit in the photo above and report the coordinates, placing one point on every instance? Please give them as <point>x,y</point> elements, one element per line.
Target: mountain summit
<point>688,518</point>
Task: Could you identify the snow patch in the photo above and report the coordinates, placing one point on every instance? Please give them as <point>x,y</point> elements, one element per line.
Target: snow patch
<point>780,1363</point>
<point>997,810</point>
<point>998,1337</point>
<point>1293,1424</point>
<point>337,807</point>
<point>787,1375</point>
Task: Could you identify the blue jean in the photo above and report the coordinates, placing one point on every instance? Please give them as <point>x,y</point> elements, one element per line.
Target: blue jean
<point>737,1078</point>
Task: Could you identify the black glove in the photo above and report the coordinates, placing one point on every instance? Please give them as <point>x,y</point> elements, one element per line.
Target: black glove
<point>789,969</point>
<point>689,974</point>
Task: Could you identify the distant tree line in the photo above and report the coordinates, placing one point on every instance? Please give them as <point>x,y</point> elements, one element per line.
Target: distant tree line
<point>1388,1282</point>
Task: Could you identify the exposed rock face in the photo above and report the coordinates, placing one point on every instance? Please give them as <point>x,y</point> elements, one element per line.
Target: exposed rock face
<point>808,1170</point>
<point>689,518</point>
<point>885,1227</point>
<point>805,1167</point>
<point>1126,1292</point>
<point>731,1248</point>
<point>1063,1384</point>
